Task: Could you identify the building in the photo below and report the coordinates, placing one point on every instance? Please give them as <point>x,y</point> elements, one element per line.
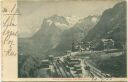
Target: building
<point>107,43</point>
<point>45,63</point>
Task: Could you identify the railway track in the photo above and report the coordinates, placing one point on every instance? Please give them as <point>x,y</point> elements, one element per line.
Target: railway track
<point>64,66</point>
<point>62,71</point>
<point>58,72</point>
<point>66,72</point>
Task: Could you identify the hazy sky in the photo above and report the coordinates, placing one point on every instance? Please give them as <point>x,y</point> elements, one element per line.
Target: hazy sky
<point>33,11</point>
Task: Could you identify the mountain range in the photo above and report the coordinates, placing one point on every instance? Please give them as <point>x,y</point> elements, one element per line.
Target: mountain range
<point>55,34</point>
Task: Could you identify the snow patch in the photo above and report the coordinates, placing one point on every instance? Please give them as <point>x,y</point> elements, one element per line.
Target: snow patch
<point>94,19</point>
<point>61,26</point>
<point>72,20</point>
<point>49,22</point>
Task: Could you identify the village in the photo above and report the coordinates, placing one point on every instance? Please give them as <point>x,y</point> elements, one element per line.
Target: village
<point>76,62</point>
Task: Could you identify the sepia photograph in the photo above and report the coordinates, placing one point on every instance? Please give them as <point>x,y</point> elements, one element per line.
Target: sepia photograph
<point>72,39</point>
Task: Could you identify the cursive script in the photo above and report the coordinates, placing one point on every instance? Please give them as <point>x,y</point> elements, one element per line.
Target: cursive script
<point>9,33</point>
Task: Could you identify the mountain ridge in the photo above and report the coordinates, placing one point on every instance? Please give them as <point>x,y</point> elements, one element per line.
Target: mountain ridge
<point>112,25</point>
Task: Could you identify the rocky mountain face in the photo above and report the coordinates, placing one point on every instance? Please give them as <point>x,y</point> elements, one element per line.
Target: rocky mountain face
<point>112,25</point>
<point>50,33</point>
<point>47,36</point>
<point>56,34</point>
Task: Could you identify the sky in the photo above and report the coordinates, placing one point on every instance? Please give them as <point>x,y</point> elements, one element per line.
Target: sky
<point>34,11</point>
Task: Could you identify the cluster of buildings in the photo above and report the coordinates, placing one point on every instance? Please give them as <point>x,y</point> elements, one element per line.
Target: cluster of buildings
<point>82,46</point>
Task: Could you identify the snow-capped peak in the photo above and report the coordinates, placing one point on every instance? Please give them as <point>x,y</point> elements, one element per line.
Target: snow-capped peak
<point>72,20</point>
<point>62,22</point>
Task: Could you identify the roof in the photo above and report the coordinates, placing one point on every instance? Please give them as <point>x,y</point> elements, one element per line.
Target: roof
<point>106,40</point>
